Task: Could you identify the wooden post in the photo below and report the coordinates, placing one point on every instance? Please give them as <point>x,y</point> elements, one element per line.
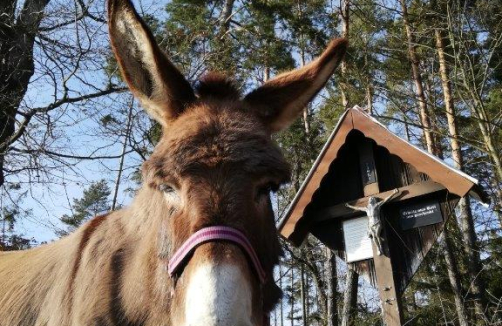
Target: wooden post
<point>390,299</point>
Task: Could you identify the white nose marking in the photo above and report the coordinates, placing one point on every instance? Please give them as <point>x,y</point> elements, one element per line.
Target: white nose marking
<point>218,295</point>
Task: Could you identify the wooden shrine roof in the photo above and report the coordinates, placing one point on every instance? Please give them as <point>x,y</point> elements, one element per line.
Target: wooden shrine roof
<point>455,181</point>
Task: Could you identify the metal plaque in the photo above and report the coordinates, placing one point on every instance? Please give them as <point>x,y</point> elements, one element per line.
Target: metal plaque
<point>421,214</point>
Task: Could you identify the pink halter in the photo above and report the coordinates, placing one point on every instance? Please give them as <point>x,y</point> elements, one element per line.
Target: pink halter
<point>213,233</point>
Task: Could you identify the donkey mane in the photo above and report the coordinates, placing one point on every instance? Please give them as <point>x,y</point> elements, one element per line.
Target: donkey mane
<point>217,85</point>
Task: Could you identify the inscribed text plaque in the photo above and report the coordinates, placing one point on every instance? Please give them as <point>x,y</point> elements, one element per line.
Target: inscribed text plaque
<point>358,244</point>
<point>422,214</point>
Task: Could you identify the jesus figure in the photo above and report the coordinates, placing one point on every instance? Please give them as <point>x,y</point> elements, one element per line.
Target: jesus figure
<point>372,210</point>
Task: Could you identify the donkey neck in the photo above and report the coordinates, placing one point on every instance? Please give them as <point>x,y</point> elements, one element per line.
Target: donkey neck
<point>147,285</point>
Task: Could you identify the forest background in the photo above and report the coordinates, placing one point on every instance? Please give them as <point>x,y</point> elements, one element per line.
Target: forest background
<point>72,139</point>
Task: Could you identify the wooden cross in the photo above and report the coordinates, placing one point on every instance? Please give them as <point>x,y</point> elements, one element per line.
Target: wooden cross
<point>385,273</point>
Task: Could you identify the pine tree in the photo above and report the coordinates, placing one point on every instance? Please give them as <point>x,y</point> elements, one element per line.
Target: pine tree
<point>95,200</point>
<point>9,239</point>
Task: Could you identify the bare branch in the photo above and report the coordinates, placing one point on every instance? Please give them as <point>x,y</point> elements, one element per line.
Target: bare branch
<point>89,157</point>
<point>65,100</point>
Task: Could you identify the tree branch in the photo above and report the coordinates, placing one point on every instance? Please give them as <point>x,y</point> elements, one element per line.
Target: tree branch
<point>65,100</point>
<point>70,156</point>
<point>84,12</point>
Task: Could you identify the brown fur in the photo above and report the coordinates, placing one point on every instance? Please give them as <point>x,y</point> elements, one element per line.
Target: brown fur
<point>217,85</point>
<point>216,154</point>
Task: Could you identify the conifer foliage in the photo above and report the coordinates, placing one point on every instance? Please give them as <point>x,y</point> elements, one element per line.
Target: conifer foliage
<point>95,201</point>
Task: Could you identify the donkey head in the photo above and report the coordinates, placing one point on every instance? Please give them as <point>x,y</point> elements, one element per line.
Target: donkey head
<point>215,165</point>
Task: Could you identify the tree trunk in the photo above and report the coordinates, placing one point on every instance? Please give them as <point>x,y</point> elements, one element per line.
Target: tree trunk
<point>292,301</point>
<point>17,38</point>
<point>471,248</point>
<point>303,295</point>
<point>281,304</point>
<point>331,281</point>
<point>490,148</point>
<point>345,14</point>
<point>369,84</point>
<point>322,298</point>
<point>453,276</point>
<point>317,276</point>
<point>306,122</point>
<point>226,14</point>
<point>350,297</point>
<point>369,99</point>
<point>470,242</point>
<point>4,235</point>
<point>417,78</point>
<point>456,152</point>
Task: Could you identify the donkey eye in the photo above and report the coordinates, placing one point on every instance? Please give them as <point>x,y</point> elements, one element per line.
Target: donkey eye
<point>169,192</point>
<point>167,189</point>
<point>266,189</point>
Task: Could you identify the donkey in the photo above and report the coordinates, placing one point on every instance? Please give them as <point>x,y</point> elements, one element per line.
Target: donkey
<point>198,244</point>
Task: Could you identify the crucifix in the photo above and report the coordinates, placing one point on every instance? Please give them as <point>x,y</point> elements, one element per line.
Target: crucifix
<point>387,275</point>
<point>372,210</point>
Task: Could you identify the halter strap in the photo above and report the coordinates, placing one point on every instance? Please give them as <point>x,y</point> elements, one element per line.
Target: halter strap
<point>213,233</point>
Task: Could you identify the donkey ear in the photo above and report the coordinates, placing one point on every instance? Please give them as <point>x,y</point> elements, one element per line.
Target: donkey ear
<point>159,86</point>
<point>280,100</point>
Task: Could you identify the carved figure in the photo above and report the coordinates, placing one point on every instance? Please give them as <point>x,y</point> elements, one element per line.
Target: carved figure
<point>374,221</point>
